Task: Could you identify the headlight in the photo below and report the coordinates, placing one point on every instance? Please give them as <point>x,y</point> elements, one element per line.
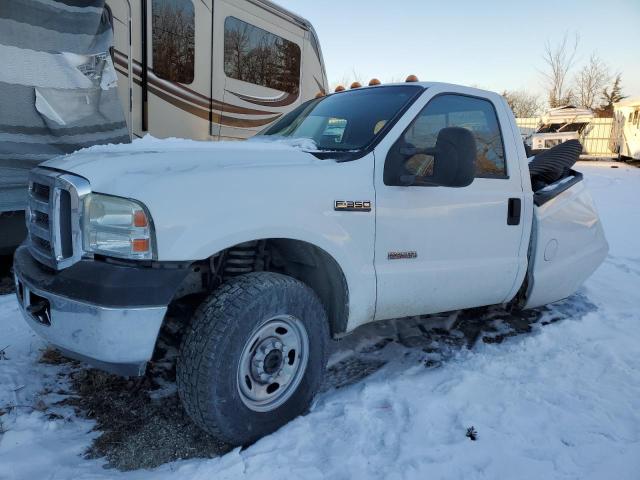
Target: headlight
<point>117,227</point>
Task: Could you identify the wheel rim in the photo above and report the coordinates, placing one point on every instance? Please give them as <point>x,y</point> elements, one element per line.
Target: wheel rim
<point>272,363</point>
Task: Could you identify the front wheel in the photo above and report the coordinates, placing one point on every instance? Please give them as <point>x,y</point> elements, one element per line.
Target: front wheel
<point>254,356</point>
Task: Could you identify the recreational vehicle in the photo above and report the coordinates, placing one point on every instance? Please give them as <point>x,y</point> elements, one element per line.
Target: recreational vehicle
<point>212,69</point>
<point>559,125</point>
<point>626,128</point>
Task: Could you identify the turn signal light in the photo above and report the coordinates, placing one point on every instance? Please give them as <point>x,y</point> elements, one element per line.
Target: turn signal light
<point>140,219</point>
<point>140,245</point>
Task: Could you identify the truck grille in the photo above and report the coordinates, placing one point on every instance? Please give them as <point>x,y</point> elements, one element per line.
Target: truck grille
<point>53,217</point>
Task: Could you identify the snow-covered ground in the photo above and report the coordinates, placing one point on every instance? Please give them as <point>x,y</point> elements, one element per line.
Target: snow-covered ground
<point>561,402</point>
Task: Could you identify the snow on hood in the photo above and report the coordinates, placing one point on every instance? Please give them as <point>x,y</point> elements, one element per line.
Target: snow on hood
<point>151,144</point>
<point>153,156</point>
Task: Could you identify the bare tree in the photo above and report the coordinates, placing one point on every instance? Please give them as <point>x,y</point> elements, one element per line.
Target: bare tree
<point>522,103</point>
<point>559,60</point>
<point>590,82</point>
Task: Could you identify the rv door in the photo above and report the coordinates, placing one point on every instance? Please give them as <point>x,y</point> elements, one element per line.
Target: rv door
<point>178,81</point>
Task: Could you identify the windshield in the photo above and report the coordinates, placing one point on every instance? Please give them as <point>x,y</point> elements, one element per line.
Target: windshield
<point>345,121</point>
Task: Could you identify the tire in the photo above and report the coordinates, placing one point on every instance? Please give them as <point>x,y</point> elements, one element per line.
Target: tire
<point>219,353</point>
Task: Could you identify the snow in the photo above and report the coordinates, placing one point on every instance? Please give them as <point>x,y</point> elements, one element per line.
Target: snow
<point>149,143</point>
<point>562,402</point>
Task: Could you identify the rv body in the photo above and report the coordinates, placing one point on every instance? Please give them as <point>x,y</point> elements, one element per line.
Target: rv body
<point>627,128</point>
<point>212,69</point>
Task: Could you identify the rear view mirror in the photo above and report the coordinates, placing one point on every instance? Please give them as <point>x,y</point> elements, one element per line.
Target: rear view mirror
<point>453,160</point>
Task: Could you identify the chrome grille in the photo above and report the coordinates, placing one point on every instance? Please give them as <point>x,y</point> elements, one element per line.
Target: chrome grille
<point>53,217</point>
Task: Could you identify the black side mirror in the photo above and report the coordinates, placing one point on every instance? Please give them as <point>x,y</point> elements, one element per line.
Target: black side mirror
<point>454,159</point>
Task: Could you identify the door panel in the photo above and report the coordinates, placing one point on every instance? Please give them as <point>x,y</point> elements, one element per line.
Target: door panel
<point>437,248</point>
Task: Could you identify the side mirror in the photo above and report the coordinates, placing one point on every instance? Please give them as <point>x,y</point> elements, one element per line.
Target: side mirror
<point>454,159</point>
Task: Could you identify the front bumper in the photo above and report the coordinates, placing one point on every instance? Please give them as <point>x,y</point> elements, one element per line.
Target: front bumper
<point>80,310</point>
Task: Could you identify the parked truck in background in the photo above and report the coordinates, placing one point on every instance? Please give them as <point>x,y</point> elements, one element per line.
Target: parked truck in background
<point>422,202</point>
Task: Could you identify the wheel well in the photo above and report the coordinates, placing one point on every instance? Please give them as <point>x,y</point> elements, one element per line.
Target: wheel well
<point>301,260</point>
<point>320,271</point>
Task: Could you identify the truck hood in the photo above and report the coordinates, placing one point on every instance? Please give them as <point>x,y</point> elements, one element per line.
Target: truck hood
<point>109,168</point>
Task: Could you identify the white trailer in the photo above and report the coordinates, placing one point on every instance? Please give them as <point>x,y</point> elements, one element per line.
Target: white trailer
<point>626,128</point>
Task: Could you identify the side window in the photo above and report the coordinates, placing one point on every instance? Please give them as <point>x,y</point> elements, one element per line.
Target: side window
<point>254,55</point>
<point>475,114</point>
<point>173,26</point>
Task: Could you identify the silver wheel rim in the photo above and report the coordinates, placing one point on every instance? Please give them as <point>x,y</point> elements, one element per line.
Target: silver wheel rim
<point>273,363</point>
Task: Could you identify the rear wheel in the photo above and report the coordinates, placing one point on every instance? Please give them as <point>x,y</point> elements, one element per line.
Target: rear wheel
<point>254,356</point>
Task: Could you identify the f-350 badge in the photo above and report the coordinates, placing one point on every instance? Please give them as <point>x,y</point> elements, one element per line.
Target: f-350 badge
<point>352,206</point>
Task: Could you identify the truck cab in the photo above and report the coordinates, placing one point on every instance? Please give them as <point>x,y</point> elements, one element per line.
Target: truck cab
<point>369,204</point>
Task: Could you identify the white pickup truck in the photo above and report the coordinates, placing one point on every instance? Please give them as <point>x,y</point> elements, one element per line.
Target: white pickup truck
<point>374,203</point>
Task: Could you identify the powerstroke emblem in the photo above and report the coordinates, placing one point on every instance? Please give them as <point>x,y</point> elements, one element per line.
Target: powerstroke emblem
<point>401,255</point>
<point>352,206</point>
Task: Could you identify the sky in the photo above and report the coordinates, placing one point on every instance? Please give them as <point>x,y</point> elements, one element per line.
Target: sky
<point>495,45</point>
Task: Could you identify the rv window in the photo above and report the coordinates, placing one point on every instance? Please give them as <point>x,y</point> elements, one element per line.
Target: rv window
<point>476,115</point>
<point>254,55</point>
<point>173,31</point>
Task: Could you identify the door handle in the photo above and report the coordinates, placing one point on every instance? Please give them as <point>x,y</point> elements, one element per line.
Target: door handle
<point>513,211</point>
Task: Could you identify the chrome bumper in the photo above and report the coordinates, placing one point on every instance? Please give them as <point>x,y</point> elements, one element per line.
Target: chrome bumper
<point>118,340</point>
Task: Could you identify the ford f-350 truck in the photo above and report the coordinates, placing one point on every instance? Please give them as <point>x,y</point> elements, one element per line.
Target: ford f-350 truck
<point>374,203</point>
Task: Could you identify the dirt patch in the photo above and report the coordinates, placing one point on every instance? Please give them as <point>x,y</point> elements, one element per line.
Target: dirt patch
<point>51,356</point>
<point>142,424</point>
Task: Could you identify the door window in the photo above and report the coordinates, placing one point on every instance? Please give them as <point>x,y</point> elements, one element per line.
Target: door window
<point>254,55</point>
<point>173,30</point>
<point>475,114</point>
